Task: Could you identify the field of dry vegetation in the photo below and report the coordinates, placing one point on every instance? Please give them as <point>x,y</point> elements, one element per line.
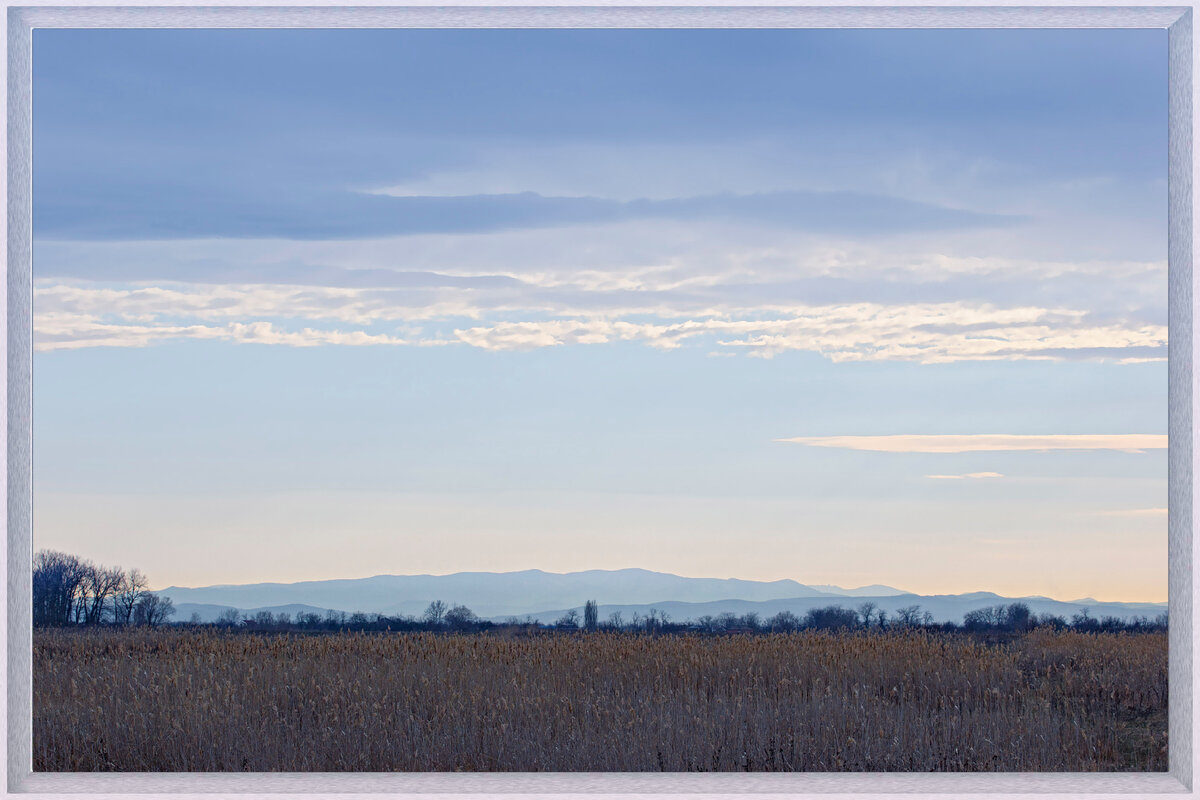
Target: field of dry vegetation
<point>180,700</point>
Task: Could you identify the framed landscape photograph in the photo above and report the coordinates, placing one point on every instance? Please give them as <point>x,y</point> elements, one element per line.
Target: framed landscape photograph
<point>600,400</point>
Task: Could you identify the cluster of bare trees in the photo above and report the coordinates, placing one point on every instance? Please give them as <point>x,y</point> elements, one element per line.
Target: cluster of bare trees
<point>456,618</point>
<point>1012,618</point>
<point>827,618</point>
<point>868,615</point>
<point>438,616</point>
<point>68,590</point>
<point>1017,618</point>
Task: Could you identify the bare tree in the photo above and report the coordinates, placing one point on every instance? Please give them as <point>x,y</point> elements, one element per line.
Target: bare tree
<point>1085,622</point>
<point>127,595</point>
<point>305,619</point>
<point>460,617</point>
<point>984,618</point>
<point>830,618</point>
<point>79,603</point>
<point>1054,621</point>
<point>784,622</point>
<point>615,620</point>
<point>909,616</point>
<point>568,620</point>
<point>99,585</point>
<point>435,612</point>
<point>591,615</point>
<point>57,581</point>
<point>153,609</point>
<point>1018,617</point>
<point>866,611</point>
<point>230,617</point>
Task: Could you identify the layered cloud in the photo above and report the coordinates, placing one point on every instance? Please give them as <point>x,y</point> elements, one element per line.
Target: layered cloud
<point>81,315</point>
<point>733,287</point>
<point>356,215</point>
<point>756,233</point>
<point>979,442</point>
<point>644,256</point>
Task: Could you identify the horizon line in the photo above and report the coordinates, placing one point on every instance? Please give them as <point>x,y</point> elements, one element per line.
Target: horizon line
<point>815,586</point>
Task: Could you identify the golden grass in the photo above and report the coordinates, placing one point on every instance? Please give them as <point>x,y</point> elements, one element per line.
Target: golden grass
<point>180,700</point>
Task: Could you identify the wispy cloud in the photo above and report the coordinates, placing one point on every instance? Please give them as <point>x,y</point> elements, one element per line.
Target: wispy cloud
<point>969,443</point>
<point>728,287</point>
<point>349,215</point>
<point>79,333</point>
<point>78,314</point>
<point>924,333</point>
<point>967,475</point>
<point>637,255</point>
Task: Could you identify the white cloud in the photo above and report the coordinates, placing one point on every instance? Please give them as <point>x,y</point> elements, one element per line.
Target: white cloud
<point>969,443</point>
<point>967,475</point>
<point>73,334</point>
<point>734,288</point>
<point>860,332</point>
<point>80,314</point>
<point>213,302</point>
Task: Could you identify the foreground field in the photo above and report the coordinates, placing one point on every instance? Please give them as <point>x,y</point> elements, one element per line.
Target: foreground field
<point>180,700</point>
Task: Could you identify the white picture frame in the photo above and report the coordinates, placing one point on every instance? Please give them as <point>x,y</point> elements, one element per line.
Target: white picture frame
<point>22,19</point>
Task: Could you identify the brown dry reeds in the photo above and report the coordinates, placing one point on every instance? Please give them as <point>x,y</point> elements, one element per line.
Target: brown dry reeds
<point>178,700</point>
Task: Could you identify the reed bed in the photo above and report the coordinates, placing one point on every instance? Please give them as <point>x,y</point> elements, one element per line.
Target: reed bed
<point>180,700</point>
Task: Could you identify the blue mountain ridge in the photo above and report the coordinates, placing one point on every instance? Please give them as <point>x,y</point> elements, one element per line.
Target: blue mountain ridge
<point>546,596</point>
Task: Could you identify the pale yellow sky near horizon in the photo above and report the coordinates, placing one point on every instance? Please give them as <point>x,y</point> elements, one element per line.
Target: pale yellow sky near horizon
<point>255,538</point>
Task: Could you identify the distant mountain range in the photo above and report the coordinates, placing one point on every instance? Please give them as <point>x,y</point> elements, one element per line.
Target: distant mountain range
<point>546,596</point>
<point>497,594</point>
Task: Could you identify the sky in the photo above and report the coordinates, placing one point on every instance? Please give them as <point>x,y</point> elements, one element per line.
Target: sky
<point>845,307</point>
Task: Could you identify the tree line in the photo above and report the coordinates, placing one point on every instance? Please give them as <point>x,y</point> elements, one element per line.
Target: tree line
<point>439,616</point>
<point>68,590</point>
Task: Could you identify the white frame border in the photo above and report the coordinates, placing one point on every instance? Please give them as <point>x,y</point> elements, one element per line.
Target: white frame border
<point>19,22</point>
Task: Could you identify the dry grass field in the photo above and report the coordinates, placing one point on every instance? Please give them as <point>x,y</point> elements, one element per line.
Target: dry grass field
<point>178,700</point>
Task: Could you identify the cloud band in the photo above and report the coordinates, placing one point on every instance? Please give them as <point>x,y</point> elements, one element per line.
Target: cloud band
<point>981,442</point>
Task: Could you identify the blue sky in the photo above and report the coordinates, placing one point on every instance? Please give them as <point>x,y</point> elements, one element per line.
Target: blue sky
<point>351,302</point>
